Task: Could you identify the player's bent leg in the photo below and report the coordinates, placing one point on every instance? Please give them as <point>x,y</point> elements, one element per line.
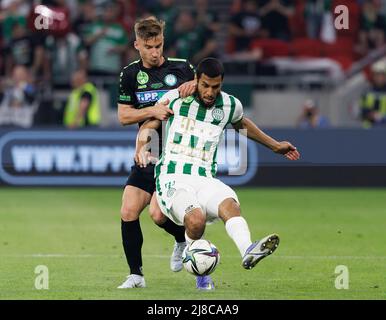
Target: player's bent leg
<point>155,212</point>
<point>134,200</point>
<point>170,227</point>
<point>187,208</point>
<point>195,221</point>
<point>237,228</point>
<point>164,222</point>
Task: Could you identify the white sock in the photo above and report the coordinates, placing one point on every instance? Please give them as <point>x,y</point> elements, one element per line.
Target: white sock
<point>237,229</point>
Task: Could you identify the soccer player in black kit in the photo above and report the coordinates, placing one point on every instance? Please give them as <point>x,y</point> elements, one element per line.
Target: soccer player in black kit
<point>142,83</point>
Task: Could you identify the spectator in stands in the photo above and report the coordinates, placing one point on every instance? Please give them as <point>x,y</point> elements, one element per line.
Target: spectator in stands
<point>14,12</point>
<point>310,117</point>
<point>314,11</point>
<point>373,102</point>
<point>167,11</point>
<point>371,29</point>
<point>275,16</point>
<point>63,55</point>
<point>25,49</point>
<point>17,105</point>
<point>83,107</point>
<point>193,42</point>
<point>206,17</point>
<point>20,90</point>
<point>245,26</point>
<point>107,41</point>
<point>86,18</point>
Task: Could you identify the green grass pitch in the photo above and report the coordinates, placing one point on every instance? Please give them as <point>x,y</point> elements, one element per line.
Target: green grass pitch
<point>76,234</point>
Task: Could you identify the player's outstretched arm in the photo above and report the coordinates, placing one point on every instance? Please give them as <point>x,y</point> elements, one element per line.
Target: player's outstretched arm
<point>127,114</point>
<point>147,135</point>
<point>256,134</point>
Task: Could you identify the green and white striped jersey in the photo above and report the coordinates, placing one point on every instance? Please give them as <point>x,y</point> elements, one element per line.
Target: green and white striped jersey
<point>193,134</point>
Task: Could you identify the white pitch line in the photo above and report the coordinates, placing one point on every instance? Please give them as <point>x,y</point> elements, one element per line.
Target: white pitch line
<point>58,255</point>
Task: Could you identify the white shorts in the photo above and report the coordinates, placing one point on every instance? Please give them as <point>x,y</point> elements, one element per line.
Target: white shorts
<point>178,194</point>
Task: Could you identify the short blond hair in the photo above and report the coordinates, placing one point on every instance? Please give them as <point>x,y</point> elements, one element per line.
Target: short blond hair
<point>148,28</point>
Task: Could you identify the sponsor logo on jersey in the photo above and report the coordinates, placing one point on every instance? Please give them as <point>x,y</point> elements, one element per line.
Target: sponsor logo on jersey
<point>157,85</point>
<point>142,77</point>
<point>150,96</point>
<point>124,98</point>
<point>218,114</point>
<point>170,80</point>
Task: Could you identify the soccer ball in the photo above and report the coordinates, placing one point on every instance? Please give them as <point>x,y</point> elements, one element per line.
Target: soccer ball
<point>201,257</point>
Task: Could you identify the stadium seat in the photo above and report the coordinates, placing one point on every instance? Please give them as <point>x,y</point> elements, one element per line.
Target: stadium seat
<point>305,47</point>
<point>345,61</point>
<point>272,47</point>
<point>340,51</point>
<point>343,46</point>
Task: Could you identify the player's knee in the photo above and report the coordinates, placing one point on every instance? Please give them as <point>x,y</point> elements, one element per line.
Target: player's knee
<point>229,208</point>
<point>156,214</point>
<point>129,212</point>
<point>195,223</point>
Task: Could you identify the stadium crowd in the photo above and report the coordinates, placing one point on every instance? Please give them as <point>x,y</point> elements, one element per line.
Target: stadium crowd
<point>95,36</point>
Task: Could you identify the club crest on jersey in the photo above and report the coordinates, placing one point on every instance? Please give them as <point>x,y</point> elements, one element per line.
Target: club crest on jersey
<point>142,77</point>
<point>218,114</point>
<point>170,80</point>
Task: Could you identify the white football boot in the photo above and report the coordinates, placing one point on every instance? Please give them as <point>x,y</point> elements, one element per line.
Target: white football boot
<point>259,250</point>
<point>133,281</point>
<point>176,257</point>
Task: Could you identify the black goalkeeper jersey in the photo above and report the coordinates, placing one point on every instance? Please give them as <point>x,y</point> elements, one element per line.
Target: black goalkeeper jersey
<point>142,87</point>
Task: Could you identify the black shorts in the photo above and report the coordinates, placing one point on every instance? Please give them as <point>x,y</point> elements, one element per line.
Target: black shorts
<point>142,178</point>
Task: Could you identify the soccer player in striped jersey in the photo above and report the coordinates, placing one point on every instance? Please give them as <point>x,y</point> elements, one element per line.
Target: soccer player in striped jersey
<point>187,190</point>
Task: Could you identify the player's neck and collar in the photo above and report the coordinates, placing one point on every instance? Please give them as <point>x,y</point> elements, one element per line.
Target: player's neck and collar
<point>163,63</point>
<point>217,102</point>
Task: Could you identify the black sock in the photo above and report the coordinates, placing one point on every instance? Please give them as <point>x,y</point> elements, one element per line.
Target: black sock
<point>175,230</point>
<point>132,244</point>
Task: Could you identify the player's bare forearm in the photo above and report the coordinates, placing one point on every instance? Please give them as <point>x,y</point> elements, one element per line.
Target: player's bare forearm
<point>253,132</point>
<point>256,134</point>
<point>142,156</point>
<point>144,133</point>
<point>129,115</point>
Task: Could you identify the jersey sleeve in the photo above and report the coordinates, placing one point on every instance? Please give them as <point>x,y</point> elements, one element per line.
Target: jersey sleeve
<point>239,112</point>
<point>171,96</point>
<point>126,93</point>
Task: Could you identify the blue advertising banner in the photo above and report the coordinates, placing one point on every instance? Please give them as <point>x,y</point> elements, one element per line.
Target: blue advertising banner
<point>98,158</point>
<point>336,157</point>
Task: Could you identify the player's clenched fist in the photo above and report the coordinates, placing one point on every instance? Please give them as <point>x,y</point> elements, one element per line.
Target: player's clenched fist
<point>161,111</point>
